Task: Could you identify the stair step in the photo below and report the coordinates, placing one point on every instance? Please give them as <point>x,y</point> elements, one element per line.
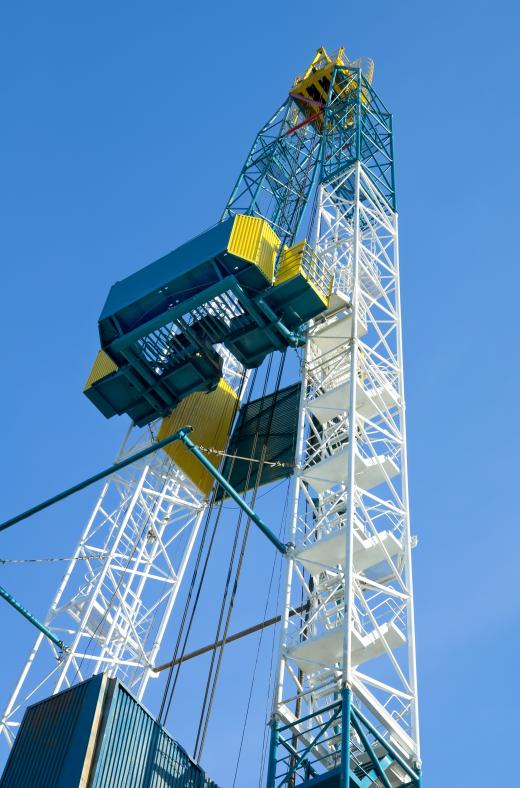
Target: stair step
<point>370,471</point>
<point>332,335</point>
<point>327,649</point>
<point>368,401</point>
<point>330,551</point>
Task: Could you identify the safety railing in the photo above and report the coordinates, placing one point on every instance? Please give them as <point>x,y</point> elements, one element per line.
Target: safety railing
<point>302,259</point>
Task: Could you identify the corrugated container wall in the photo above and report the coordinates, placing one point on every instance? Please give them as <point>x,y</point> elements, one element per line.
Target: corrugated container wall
<point>96,735</point>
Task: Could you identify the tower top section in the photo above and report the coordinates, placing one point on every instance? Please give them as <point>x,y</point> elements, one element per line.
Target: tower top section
<point>310,90</point>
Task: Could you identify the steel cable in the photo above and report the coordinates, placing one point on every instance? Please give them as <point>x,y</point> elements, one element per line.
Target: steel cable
<point>202,735</point>
<point>170,687</point>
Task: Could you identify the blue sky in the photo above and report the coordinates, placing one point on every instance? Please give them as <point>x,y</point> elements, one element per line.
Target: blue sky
<point>124,127</point>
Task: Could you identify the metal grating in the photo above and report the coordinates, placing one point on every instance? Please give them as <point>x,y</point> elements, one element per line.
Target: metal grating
<point>270,421</point>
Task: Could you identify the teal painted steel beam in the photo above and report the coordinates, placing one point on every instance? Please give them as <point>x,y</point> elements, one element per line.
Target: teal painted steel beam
<point>295,339</point>
<point>346,713</point>
<point>357,127</point>
<point>310,716</point>
<point>373,757</point>
<point>273,750</point>
<point>170,315</point>
<point>302,756</point>
<point>9,598</point>
<point>391,751</point>
<point>278,174</point>
<point>280,546</point>
<point>180,435</point>
<point>255,307</point>
<point>93,479</point>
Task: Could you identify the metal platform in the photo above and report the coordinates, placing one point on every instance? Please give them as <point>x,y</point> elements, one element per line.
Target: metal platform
<point>332,470</point>
<point>160,328</point>
<point>315,653</point>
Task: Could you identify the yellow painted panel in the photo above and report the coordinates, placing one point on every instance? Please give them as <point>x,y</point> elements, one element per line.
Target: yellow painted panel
<point>311,89</point>
<point>290,263</point>
<point>253,239</point>
<point>301,260</point>
<point>321,60</point>
<point>211,415</point>
<point>103,366</point>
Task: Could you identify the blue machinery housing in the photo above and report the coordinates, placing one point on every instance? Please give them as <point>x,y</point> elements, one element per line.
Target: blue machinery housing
<point>96,734</point>
<point>159,326</point>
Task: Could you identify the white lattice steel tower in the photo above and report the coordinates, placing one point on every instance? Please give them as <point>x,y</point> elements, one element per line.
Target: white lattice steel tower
<point>345,706</point>
<point>117,595</point>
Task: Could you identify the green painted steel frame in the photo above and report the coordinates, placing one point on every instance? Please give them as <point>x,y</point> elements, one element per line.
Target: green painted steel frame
<point>296,761</point>
<point>357,127</point>
<point>153,389</point>
<point>11,600</point>
<point>280,546</point>
<point>277,177</point>
<point>180,435</point>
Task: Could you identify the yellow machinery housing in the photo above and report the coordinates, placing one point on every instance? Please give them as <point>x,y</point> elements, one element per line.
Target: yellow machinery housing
<point>254,240</point>
<point>211,416</point>
<point>103,366</point>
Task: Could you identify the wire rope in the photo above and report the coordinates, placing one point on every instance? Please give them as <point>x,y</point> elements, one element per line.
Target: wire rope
<point>49,560</point>
<point>171,682</point>
<point>203,719</point>
<point>210,678</point>
<point>206,714</point>
<point>260,639</point>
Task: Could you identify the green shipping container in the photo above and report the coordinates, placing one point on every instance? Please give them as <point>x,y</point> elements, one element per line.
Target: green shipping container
<point>96,735</point>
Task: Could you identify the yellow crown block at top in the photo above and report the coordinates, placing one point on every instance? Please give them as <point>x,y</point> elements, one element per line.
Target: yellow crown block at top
<point>311,89</point>
<point>211,416</point>
<point>253,239</point>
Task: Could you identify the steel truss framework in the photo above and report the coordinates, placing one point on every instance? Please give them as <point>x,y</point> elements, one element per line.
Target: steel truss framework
<point>278,174</point>
<point>118,592</point>
<point>345,703</point>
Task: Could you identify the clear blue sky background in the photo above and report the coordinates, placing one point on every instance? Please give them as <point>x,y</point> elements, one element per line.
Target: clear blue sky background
<point>124,126</point>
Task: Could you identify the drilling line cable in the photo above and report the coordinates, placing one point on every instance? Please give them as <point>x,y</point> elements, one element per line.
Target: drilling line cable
<point>170,688</point>
<point>210,676</point>
<point>166,702</point>
<point>221,616</point>
<point>269,696</point>
<point>171,682</point>
<point>242,552</point>
<point>259,646</point>
<point>165,706</point>
<point>177,661</point>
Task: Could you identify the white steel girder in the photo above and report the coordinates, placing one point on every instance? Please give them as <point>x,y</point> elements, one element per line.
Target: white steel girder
<point>351,563</point>
<point>118,592</point>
